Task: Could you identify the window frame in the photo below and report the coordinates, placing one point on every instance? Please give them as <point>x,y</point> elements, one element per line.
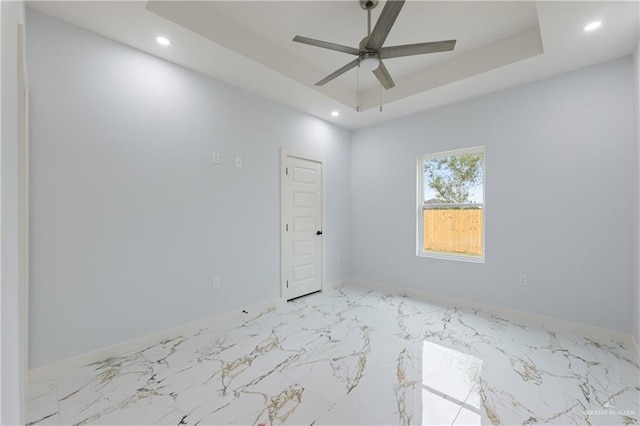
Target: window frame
<point>421,206</point>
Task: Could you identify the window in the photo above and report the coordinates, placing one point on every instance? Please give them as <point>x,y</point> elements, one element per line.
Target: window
<point>451,208</point>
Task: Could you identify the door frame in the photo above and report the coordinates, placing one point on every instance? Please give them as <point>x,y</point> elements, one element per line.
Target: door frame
<point>23,205</point>
<point>284,154</point>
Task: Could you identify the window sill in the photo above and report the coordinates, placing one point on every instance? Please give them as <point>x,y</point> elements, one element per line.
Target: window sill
<point>447,256</point>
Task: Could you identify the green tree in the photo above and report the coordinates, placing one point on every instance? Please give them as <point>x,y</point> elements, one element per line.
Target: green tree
<point>452,178</point>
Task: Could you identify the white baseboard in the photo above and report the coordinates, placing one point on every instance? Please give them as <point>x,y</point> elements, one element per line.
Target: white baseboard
<point>521,317</point>
<point>57,368</point>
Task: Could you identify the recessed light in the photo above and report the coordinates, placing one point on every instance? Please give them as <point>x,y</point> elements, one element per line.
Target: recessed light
<point>593,26</point>
<point>335,113</point>
<point>163,41</point>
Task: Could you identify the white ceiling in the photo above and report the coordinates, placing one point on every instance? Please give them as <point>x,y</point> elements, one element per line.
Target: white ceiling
<point>248,44</point>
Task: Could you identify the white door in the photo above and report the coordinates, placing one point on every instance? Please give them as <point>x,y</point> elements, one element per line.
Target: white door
<point>301,226</point>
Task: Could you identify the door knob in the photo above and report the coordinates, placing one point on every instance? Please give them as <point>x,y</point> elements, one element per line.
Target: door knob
<point>319,233</point>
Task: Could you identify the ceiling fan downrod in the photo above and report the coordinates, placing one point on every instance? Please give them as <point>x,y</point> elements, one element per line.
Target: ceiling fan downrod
<point>368,5</point>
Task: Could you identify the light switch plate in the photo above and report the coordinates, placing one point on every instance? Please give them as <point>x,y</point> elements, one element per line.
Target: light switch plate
<point>238,162</point>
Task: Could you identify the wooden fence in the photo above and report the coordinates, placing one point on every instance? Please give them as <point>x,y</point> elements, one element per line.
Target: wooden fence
<point>457,231</point>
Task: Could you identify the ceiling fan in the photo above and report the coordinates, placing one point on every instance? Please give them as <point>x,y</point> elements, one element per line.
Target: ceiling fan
<point>370,52</point>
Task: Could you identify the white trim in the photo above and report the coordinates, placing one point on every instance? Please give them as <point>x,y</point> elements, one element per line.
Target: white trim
<point>454,152</point>
<point>449,256</point>
<point>283,190</point>
<point>324,224</point>
<point>521,317</point>
<point>23,214</point>
<point>23,200</point>
<point>284,153</point>
<point>58,368</point>
<point>460,206</point>
<point>2,284</point>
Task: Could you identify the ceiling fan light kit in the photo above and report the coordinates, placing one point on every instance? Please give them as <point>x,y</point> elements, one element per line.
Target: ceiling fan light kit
<point>371,51</point>
<point>369,61</point>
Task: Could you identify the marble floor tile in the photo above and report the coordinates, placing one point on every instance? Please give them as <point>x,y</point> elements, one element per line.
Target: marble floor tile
<point>42,403</point>
<point>354,356</point>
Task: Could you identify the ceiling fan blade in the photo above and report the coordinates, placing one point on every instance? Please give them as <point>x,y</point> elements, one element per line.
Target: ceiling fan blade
<point>326,45</point>
<point>385,22</point>
<point>416,49</point>
<point>383,76</point>
<point>338,72</point>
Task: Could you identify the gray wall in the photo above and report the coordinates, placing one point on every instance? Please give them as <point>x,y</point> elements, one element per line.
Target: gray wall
<point>129,217</point>
<point>561,169</point>
<point>12,371</point>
